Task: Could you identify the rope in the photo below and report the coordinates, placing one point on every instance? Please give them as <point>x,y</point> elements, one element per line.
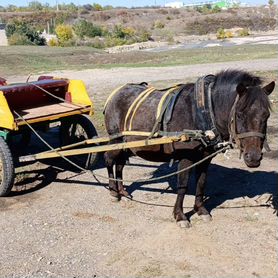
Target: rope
<point>113,179</point>
<point>168,175</point>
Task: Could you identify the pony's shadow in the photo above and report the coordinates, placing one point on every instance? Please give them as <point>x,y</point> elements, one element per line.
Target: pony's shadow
<point>223,184</point>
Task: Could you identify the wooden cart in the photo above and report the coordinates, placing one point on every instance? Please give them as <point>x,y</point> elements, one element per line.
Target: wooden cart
<point>43,104</point>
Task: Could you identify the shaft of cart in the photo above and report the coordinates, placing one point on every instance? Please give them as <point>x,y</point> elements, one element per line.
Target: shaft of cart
<point>66,151</point>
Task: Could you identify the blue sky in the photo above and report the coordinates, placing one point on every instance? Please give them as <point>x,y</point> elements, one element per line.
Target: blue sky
<point>132,3</point>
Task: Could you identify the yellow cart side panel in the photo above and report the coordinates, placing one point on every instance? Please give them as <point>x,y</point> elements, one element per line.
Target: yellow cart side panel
<point>6,117</point>
<point>79,94</point>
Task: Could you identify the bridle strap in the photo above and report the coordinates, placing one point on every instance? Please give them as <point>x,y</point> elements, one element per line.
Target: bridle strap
<point>250,134</point>
<point>232,128</point>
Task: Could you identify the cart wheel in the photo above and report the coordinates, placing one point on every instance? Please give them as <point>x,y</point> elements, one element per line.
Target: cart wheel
<point>6,169</point>
<point>76,129</point>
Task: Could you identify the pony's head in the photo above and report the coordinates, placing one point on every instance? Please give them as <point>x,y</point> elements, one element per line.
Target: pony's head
<point>250,121</point>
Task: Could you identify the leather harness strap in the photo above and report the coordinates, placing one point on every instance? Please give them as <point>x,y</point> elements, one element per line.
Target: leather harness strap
<point>234,136</point>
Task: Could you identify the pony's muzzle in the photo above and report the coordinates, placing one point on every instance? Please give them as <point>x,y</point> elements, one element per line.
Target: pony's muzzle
<point>252,158</point>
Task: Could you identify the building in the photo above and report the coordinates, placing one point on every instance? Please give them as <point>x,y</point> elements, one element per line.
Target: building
<point>175,5</point>
<point>223,4</point>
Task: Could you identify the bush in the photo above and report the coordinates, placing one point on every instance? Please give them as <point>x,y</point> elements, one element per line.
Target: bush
<point>83,28</point>
<point>64,33</point>
<point>228,34</point>
<point>53,42</point>
<point>158,24</point>
<point>23,32</point>
<point>243,32</point>
<point>18,39</point>
<point>123,32</point>
<point>222,34</point>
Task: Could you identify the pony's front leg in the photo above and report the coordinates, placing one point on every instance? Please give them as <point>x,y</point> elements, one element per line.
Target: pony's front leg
<point>183,178</point>
<point>110,159</point>
<point>201,177</point>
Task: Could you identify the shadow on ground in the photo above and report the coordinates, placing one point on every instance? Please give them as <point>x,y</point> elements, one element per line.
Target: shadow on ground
<point>223,183</point>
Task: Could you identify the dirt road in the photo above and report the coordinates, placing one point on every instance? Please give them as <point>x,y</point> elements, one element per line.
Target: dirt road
<point>62,224</point>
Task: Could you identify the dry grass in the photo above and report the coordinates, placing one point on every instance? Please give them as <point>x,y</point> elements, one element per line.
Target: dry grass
<point>23,60</point>
<point>174,21</point>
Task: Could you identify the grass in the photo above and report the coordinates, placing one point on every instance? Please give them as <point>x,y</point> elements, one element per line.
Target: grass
<point>22,60</point>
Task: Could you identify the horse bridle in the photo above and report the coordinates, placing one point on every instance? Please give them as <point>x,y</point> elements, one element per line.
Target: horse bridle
<point>236,137</point>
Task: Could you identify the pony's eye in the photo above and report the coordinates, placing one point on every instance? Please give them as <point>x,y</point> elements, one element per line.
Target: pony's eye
<point>240,115</point>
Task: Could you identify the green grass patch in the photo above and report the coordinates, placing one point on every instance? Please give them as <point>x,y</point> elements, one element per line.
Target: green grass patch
<point>22,60</point>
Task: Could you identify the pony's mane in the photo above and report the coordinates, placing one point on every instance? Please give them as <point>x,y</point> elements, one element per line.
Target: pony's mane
<point>227,81</point>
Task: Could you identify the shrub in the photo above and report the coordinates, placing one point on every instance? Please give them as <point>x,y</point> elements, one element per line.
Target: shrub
<point>64,33</point>
<point>229,34</point>
<point>18,39</point>
<point>243,32</point>
<point>84,28</point>
<point>123,32</point>
<point>220,34</point>
<point>144,35</point>
<point>159,25</point>
<point>53,42</point>
<point>22,29</point>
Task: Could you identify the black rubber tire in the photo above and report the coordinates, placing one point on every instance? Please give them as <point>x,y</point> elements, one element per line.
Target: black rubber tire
<point>87,161</point>
<point>7,172</point>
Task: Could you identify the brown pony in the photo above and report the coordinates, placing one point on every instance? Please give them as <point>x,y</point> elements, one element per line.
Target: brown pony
<point>237,97</point>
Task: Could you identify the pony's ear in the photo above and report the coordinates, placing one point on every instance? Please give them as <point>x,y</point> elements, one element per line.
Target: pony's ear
<point>241,89</point>
<point>269,88</point>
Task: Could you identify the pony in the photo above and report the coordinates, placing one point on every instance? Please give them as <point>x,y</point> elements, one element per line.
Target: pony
<point>240,107</point>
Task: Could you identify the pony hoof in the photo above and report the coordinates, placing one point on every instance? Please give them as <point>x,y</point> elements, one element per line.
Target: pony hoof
<point>184,224</point>
<point>124,193</point>
<point>206,217</point>
<point>114,193</point>
<point>115,197</point>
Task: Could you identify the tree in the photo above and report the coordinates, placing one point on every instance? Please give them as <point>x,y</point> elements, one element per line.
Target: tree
<point>97,7</point>
<point>270,2</point>
<point>35,6</point>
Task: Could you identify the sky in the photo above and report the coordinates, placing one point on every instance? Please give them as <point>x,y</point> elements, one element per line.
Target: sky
<point>115,3</point>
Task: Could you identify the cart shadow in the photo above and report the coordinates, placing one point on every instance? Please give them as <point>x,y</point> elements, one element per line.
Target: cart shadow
<point>34,180</point>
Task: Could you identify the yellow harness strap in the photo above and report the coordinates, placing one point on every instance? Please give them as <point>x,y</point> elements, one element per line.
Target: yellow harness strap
<point>142,94</point>
<point>111,95</point>
<point>162,100</point>
<point>138,105</point>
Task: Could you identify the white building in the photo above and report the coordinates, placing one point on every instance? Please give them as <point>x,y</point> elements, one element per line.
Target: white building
<point>176,5</point>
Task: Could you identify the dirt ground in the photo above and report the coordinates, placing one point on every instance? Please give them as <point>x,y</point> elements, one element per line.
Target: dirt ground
<point>63,224</point>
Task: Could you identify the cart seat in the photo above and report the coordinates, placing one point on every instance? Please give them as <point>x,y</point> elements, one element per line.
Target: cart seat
<point>28,95</point>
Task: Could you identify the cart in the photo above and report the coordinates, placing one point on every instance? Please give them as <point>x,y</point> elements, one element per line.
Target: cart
<point>44,104</point>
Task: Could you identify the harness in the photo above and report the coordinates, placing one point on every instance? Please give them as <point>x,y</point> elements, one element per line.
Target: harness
<point>235,137</point>
<point>203,109</point>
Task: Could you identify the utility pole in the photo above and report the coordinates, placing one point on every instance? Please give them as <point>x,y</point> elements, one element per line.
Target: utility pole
<point>57,6</point>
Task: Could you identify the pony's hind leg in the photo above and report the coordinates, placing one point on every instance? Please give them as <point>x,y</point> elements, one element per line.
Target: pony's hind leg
<point>110,160</point>
<point>183,178</point>
<point>120,163</point>
<point>201,176</point>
